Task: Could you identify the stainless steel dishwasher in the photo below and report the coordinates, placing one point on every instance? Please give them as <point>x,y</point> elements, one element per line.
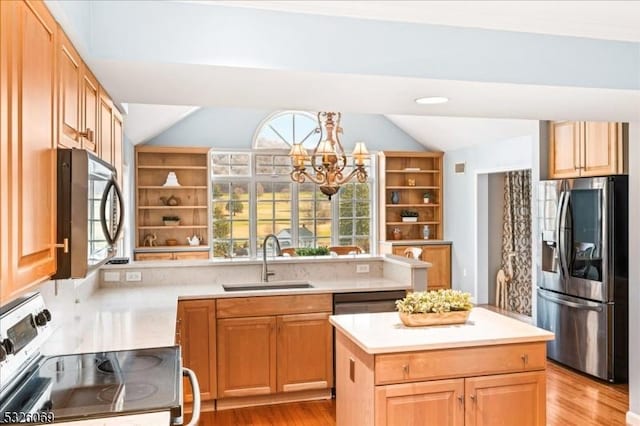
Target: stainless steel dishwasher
<point>366,301</point>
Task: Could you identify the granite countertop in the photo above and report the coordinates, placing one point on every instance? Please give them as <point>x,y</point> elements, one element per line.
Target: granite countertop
<point>384,332</point>
<point>132,317</point>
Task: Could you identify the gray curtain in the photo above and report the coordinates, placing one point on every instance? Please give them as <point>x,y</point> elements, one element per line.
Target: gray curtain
<point>516,239</point>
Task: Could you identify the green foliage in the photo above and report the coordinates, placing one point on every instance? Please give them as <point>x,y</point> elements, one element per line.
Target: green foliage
<point>427,194</point>
<point>311,251</point>
<point>409,213</point>
<point>234,205</point>
<point>424,302</point>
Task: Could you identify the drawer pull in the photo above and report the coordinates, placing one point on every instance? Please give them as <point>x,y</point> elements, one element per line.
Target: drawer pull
<point>525,359</point>
<point>352,369</point>
<point>461,399</point>
<point>473,398</point>
<point>405,368</point>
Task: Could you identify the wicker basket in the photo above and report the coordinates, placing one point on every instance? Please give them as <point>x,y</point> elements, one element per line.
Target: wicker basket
<point>420,320</point>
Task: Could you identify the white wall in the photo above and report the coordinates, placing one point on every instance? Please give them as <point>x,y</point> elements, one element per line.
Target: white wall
<point>461,198</point>
<point>495,223</point>
<point>634,274</point>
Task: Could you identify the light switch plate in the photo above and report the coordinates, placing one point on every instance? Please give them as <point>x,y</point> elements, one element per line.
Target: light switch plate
<point>111,276</point>
<point>133,276</point>
<point>362,268</point>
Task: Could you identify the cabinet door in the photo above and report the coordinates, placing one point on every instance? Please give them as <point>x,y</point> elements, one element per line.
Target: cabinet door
<point>117,143</point>
<point>69,74</point>
<point>6,11</point>
<point>190,255</point>
<point>600,155</point>
<point>246,356</point>
<point>154,256</point>
<point>105,139</point>
<point>305,352</point>
<point>564,149</point>
<point>31,180</point>
<point>196,334</point>
<point>506,399</point>
<point>90,91</point>
<point>434,403</point>
<point>439,275</point>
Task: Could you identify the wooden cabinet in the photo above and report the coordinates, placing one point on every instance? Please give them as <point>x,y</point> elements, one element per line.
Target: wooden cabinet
<point>305,352</point>
<point>439,255</point>
<point>435,403</point>
<point>28,128</point>
<point>274,345</point>
<point>90,93</point>
<point>117,145</point>
<point>69,99</point>
<point>580,149</point>
<point>196,334</point>
<point>247,356</point>
<point>405,179</point>
<point>481,385</point>
<point>172,255</point>
<point>105,127</point>
<point>186,201</point>
<point>506,399</point>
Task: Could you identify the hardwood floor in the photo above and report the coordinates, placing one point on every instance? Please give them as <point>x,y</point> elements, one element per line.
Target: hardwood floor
<point>572,399</point>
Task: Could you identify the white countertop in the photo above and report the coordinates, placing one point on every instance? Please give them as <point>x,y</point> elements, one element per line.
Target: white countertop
<point>385,333</point>
<point>133,317</point>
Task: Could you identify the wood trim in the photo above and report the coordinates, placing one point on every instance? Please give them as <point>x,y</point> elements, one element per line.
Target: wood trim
<point>171,149</point>
<point>306,386</point>
<point>459,362</point>
<point>273,305</point>
<point>276,398</point>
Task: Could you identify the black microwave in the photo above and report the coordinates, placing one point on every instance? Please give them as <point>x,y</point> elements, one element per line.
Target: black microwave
<point>90,212</point>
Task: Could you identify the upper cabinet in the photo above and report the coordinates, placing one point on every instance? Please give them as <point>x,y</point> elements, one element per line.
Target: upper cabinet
<point>105,138</point>
<point>581,149</point>
<point>28,129</point>
<point>90,92</point>
<point>69,100</point>
<point>410,195</point>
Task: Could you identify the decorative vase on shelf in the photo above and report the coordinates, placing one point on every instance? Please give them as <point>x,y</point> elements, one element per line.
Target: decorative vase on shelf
<point>426,232</point>
<point>397,234</point>
<point>395,197</point>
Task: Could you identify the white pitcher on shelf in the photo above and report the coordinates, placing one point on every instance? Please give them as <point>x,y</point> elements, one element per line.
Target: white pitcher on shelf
<point>194,240</point>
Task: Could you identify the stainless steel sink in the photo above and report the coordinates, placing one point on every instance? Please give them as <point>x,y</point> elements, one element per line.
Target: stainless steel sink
<point>281,285</point>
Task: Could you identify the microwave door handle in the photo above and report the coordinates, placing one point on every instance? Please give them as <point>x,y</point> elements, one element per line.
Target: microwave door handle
<point>195,390</point>
<point>111,239</point>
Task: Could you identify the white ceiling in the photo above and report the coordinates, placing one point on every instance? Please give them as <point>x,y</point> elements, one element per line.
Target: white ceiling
<point>612,20</point>
<point>143,121</point>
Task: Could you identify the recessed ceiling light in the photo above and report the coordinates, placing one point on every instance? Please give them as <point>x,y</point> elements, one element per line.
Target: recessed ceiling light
<point>432,100</point>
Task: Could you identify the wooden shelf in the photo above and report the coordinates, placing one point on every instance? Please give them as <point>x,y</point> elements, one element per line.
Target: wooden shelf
<point>172,167</point>
<point>173,227</point>
<point>170,207</point>
<point>173,187</point>
<point>190,165</point>
<point>413,205</point>
<point>414,223</point>
<point>412,171</point>
<point>413,187</point>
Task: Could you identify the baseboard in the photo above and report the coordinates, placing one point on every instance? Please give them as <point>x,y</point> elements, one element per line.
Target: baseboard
<point>633,419</point>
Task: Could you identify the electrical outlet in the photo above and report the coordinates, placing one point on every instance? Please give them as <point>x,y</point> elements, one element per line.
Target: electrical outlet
<point>362,268</point>
<point>133,276</point>
<point>111,276</point>
<point>464,272</point>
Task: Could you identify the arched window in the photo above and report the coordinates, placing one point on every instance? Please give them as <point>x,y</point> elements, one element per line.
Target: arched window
<point>282,129</point>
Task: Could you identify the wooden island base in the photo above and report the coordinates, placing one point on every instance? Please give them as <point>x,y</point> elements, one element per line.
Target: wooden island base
<point>480,385</point>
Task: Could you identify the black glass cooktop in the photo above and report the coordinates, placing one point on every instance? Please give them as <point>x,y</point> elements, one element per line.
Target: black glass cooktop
<point>100,384</point>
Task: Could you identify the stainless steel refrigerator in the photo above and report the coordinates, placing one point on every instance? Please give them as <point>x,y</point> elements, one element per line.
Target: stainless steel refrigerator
<point>582,261</point>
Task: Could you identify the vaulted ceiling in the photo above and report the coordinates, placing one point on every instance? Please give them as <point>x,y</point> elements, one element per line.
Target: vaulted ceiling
<point>373,57</point>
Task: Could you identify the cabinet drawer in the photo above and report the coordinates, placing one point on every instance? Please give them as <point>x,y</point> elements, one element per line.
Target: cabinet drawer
<point>273,305</point>
<point>462,362</point>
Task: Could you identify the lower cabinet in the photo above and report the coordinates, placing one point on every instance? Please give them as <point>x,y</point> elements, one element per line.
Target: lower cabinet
<point>172,255</point>
<point>196,334</point>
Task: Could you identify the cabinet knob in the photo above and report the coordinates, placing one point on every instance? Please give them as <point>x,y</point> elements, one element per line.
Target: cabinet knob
<point>461,399</point>
<point>473,398</point>
<point>405,368</point>
<point>525,359</point>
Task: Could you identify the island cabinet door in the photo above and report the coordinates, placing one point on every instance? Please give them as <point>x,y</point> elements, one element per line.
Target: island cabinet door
<point>246,356</point>
<point>305,352</point>
<point>433,403</point>
<point>506,399</point>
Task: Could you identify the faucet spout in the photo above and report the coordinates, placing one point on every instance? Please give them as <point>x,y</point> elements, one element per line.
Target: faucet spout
<point>265,270</point>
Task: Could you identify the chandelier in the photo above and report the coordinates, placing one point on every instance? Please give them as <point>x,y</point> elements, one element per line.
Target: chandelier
<point>328,159</point>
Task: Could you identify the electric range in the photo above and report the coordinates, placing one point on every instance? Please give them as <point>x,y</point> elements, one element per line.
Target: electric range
<point>37,388</point>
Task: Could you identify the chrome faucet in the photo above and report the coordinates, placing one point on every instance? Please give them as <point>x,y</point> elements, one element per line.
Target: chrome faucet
<point>265,271</point>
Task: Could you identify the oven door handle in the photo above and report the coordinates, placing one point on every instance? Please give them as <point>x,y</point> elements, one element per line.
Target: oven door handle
<point>195,388</point>
<point>111,239</point>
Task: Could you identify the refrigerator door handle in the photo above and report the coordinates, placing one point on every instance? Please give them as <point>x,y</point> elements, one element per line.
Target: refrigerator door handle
<point>570,304</point>
<point>562,241</point>
<point>559,231</point>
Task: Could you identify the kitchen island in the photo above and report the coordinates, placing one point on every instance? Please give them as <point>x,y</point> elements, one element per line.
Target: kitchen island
<point>488,371</point>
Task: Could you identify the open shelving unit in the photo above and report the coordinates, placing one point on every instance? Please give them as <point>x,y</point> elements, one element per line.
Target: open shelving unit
<point>410,174</point>
<point>190,165</point>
